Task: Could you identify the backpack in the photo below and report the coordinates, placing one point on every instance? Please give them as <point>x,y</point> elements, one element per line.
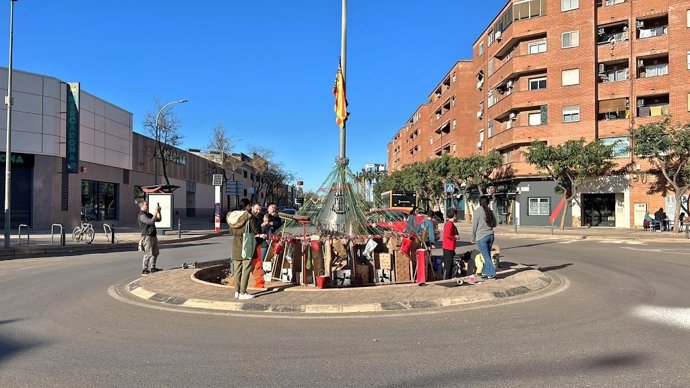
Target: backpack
<point>233,218</point>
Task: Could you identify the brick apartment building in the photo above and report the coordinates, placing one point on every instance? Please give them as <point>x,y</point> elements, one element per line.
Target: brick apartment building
<point>555,70</point>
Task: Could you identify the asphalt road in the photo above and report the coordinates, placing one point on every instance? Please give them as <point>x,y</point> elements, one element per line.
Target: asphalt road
<point>620,318</point>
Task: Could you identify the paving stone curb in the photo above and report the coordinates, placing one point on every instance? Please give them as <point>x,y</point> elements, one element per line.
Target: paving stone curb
<point>549,236</point>
<point>520,284</point>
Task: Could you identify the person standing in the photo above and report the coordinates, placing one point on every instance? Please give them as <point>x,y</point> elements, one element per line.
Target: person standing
<point>483,224</point>
<point>149,238</point>
<point>450,237</point>
<point>428,226</point>
<point>242,265</point>
<point>412,226</point>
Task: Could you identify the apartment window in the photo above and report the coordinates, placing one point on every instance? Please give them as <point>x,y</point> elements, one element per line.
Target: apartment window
<point>571,114</point>
<point>568,5</point>
<point>688,60</point>
<point>490,66</point>
<point>245,174</point>
<point>537,83</point>
<point>570,77</point>
<point>481,135</point>
<point>534,118</point>
<point>454,148</point>
<point>491,37</point>
<point>656,70</point>
<point>527,9</point>
<point>454,123</point>
<point>539,206</point>
<point>688,18</point>
<point>615,109</point>
<point>490,128</point>
<point>481,49</point>
<point>570,39</point>
<point>537,47</point>
<point>621,146</point>
<point>688,102</point>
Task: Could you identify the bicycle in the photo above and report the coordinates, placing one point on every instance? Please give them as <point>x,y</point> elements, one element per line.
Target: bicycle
<point>84,232</point>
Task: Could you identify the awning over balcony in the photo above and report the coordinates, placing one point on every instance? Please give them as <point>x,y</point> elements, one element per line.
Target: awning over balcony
<point>615,105</point>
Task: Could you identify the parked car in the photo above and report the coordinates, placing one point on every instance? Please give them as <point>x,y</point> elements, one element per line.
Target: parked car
<point>394,219</point>
<point>288,210</point>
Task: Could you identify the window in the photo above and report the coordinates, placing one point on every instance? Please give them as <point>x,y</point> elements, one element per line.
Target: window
<point>454,123</point>
<point>568,5</point>
<point>570,77</point>
<point>688,60</point>
<point>490,128</point>
<point>534,118</point>
<point>621,146</point>
<point>571,114</point>
<point>537,47</point>
<point>656,70</point>
<point>570,39</point>
<point>526,9</point>
<point>688,102</point>
<point>481,135</point>
<point>688,18</point>
<point>539,206</point>
<point>245,174</point>
<point>617,75</point>
<point>491,37</point>
<point>481,49</point>
<point>537,83</point>
<point>99,200</point>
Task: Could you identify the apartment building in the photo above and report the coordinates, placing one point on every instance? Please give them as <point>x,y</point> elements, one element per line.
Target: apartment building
<point>442,125</point>
<point>554,70</point>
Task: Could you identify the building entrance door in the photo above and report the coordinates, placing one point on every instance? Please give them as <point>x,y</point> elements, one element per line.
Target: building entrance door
<point>599,210</point>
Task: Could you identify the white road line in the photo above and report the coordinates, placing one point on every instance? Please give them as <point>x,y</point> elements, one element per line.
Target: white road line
<point>672,316</point>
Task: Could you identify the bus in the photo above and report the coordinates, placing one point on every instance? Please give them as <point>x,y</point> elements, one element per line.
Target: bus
<point>399,199</point>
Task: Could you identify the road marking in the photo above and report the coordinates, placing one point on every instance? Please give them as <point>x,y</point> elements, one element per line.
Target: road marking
<point>569,241</point>
<point>628,242</point>
<point>672,316</point>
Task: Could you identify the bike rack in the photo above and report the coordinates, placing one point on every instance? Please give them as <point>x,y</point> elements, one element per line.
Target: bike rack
<point>28,233</point>
<point>109,233</point>
<point>62,234</point>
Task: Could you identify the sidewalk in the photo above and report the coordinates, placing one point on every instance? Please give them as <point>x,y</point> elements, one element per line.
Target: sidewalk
<point>41,243</point>
<point>596,233</point>
<point>178,288</point>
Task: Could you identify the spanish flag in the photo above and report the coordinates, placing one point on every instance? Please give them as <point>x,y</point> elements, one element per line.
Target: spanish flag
<point>340,107</point>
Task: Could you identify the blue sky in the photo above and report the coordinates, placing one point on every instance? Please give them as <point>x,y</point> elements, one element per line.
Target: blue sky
<point>264,69</point>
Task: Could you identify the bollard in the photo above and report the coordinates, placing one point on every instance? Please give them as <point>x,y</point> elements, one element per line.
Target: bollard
<point>112,234</point>
<point>179,228</point>
<point>62,237</point>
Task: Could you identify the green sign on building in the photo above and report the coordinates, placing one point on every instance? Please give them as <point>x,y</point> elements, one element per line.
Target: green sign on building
<point>72,143</point>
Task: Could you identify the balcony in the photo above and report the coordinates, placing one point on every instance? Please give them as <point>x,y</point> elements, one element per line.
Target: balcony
<point>517,101</point>
<point>611,10</point>
<point>515,136</point>
<point>651,46</point>
<point>519,65</point>
<point>652,27</point>
<point>519,31</point>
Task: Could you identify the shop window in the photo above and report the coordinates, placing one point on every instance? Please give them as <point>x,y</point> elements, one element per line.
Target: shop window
<point>99,200</point>
<point>540,206</point>
<point>570,77</point>
<point>571,114</point>
<point>570,39</point>
<point>569,5</point>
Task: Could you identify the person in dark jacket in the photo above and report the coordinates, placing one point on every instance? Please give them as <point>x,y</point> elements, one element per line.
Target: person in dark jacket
<point>149,238</point>
<point>242,265</point>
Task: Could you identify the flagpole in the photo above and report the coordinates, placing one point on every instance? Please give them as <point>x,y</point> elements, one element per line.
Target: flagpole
<point>343,62</point>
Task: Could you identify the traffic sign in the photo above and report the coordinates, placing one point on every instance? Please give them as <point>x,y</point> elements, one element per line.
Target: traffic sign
<point>449,187</point>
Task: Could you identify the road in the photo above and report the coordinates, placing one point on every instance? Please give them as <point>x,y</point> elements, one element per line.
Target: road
<point>621,318</point>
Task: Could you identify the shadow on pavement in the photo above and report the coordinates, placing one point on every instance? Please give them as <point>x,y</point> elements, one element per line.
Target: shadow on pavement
<point>12,348</point>
<point>530,245</point>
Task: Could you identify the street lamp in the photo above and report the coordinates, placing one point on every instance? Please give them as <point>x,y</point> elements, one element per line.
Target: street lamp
<point>8,154</point>
<point>158,116</point>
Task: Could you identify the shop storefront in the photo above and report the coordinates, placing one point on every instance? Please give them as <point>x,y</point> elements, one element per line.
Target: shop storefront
<point>21,189</point>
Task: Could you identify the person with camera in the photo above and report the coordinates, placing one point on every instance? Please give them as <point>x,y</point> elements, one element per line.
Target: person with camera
<point>149,238</point>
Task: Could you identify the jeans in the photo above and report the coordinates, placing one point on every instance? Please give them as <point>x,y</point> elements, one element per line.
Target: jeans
<point>484,245</point>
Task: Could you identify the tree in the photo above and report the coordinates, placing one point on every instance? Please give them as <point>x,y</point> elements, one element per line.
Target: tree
<point>165,132</point>
<point>667,147</point>
<point>275,182</point>
<point>571,164</point>
<point>220,149</point>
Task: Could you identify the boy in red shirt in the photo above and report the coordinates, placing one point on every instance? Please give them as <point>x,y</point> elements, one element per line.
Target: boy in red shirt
<point>450,236</point>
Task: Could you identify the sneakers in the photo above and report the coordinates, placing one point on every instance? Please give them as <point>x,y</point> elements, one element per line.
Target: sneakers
<point>245,296</point>
<point>145,271</point>
<point>472,279</point>
<point>489,277</point>
<point>237,294</point>
<point>154,269</point>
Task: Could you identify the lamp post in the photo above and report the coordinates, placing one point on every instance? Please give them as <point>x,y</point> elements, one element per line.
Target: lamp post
<point>155,156</point>
<point>8,154</point>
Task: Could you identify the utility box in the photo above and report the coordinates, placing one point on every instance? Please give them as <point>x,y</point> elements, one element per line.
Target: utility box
<point>640,211</point>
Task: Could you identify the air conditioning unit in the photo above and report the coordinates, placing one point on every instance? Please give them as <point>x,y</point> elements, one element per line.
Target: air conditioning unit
<point>512,116</point>
<point>602,68</point>
<point>480,114</point>
<point>480,84</point>
<point>640,24</point>
<point>640,63</point>
<point>479,145</point>
<point>498,35</point>
<point>640,102</point>
<point>510,84</point>
<point>600,31</point>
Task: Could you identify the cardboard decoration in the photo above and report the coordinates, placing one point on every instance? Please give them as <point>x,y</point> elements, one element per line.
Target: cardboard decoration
<point>342,278</point>
<point>385,276</point>
<point>362,274</point>
<point>402,267</point>
<point>327,256</point>
<point>385,261</point>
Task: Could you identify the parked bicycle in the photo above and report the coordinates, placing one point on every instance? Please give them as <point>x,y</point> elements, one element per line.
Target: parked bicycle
<point>84,232</point>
